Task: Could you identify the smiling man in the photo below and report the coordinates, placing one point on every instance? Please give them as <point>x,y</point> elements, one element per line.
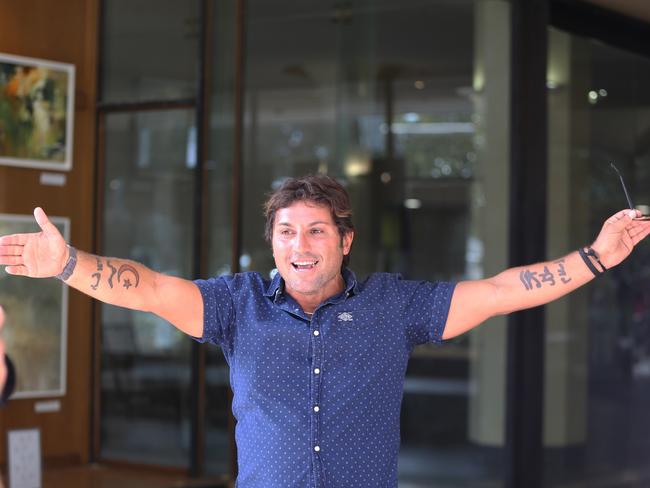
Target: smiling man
<point>317,358</point>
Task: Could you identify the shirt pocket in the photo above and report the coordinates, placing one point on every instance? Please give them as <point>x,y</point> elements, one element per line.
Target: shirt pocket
<point>365,341</point>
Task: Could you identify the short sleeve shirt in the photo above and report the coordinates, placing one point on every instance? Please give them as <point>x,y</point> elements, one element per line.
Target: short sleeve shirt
<point>317,399</point>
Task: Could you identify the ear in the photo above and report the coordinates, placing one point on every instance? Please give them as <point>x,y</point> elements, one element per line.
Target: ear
<point>347,242</point>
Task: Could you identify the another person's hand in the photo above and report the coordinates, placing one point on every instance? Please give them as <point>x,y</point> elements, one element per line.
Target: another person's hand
<point>7,372</point>
<point>3,366</point>
<point>618,236</point>
<point>37,255</point>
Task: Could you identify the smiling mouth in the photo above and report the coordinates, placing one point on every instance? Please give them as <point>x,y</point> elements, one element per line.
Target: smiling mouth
<point>304,265</point>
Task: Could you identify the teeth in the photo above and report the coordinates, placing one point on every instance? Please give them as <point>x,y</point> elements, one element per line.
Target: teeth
<point>305,263</point>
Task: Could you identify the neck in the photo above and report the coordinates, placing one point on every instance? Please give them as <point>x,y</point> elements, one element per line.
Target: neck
<point>309,302</point>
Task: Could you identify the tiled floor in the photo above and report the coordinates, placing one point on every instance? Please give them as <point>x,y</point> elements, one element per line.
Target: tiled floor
<point>94,476</point>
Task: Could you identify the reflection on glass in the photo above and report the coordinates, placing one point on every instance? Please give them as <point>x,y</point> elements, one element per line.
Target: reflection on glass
<point>598,348</point>
<point>147,216</point>
<point>380,95</point>
<point>149,49</point>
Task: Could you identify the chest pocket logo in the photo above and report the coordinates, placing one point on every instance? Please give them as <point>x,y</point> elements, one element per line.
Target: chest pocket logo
<point>345,317</point>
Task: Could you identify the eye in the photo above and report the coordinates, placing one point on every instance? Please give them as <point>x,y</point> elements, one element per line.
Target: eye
<point>317,231</point>
<point>285,232</point>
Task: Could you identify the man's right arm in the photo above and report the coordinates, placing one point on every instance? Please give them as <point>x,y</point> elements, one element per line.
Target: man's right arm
<point>116,281</point>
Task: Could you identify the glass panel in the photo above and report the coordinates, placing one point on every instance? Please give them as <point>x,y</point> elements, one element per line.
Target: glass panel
<point>394,98</point>
<point>598,348</point>
<point>147,216</point>
<point>220,156</point>
<point>149,49</point>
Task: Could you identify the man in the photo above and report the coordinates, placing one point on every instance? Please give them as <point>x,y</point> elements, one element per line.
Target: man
<point>317,359</point>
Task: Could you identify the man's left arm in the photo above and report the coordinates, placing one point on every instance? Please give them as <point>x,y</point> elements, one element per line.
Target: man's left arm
<point>523,287</point>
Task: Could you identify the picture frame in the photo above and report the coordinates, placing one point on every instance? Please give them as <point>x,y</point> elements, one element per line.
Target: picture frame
<point>36,326</point>
<point>36,113</point>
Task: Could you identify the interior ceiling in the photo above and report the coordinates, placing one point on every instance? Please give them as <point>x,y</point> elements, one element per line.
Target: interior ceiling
<point>638,9</point>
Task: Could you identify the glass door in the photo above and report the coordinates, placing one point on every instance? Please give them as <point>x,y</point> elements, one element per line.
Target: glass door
<point>596,428</point>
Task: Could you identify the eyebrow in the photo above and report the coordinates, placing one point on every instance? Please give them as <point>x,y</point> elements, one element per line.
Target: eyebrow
<point>316,222</point>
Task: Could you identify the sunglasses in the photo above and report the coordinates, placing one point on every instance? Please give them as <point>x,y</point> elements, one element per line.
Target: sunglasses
<point>627,195</point>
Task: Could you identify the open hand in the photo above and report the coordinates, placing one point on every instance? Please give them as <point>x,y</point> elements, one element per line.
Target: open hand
<point>619,235</point>
<point>37,255</point>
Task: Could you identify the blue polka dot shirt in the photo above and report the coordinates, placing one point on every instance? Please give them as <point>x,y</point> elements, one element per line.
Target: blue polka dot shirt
<point>317,399</point>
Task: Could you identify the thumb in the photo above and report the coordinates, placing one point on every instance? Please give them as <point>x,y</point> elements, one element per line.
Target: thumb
<point>44,223</point>
<point>621,219</point>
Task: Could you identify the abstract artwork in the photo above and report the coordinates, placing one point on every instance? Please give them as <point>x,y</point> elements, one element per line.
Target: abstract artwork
<point>35,331</point>
<point>36,113</point>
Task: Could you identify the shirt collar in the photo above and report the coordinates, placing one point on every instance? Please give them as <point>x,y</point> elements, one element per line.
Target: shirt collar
<point>276,287</point>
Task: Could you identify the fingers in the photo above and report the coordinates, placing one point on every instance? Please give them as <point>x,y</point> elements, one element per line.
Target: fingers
<point>11,250</point>
<point>11,260</point>
<point>14,240</point>
<point>623,217</point>
<point>16,270</point>
<point>639,233</point>
<point>44,223</point>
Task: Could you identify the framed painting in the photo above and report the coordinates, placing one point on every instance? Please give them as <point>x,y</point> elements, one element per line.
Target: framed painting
<point>36,113</point>
<point>36,327</point>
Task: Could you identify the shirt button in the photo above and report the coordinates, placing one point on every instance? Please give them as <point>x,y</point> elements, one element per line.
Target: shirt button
<point>317,371</point>
<point>316,408</point>
<point>317,448</point>
<point>316,333</point>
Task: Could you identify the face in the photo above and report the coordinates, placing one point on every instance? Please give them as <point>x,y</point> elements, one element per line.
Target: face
<point>308,251</point>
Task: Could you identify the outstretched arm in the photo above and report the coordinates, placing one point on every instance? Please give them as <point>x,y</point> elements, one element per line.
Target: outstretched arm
<point>116,281</point>
<point>524,287</point>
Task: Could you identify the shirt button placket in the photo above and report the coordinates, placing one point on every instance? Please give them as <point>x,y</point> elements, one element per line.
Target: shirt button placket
<point>317,375</point>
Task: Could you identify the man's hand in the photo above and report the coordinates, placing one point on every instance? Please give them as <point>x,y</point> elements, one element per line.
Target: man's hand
<point>619,235</point>
<point>37,255</point>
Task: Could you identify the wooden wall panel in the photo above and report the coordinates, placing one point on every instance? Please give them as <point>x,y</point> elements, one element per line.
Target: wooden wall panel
<point>66,32</point>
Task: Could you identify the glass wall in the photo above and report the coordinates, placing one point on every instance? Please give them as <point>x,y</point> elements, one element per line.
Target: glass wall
<point>149,50</point>
<point>407,104</point>
<point>150,53</point>
<point>598,350</point>
<point>147,213</point>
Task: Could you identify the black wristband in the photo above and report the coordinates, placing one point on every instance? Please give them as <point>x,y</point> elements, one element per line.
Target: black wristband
<point>585,257</point>
<point>69,266</point>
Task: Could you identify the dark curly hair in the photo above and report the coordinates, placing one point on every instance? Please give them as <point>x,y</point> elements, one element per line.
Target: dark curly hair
<point>319,189</point>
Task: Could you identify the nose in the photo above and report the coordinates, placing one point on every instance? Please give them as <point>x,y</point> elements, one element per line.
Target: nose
<point>301,242</point>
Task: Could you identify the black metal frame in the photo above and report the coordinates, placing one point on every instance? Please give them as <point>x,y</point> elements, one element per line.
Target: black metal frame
<point>587,20</point>
<point>528,153</point>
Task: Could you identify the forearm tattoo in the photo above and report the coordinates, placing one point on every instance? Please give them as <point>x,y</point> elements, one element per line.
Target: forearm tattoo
<point>113,271</point>
<point>547,277</point>
<point>98,274</point>
<point>127,275</point>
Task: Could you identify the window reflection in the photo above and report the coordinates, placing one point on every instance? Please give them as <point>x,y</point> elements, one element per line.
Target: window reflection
<point>597,353</point>
<point>146,217</point>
